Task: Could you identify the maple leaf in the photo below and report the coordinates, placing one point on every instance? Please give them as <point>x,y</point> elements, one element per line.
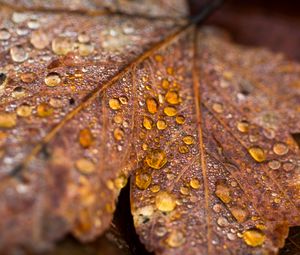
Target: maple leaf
<point>92,91</point>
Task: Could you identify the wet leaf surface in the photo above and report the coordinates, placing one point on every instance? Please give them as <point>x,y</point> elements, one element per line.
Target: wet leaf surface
<point>93,92</point>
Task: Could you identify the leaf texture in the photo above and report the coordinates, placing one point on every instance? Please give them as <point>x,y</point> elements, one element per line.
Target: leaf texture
<point>93,90</point>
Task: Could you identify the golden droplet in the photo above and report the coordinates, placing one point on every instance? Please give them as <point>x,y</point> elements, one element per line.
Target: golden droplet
<point>85,138</point>
<point>123,100</point>
<point>158,58</point>
<point>175,239</point>
<point>27,77</point>
<point>172,97</point>
<point>165,84</point>
<point>184,190</point>
<point>145,146</point>
<point>280,149</point>
<point>85,49</point>
<point>24,110</point>
<point>39,39</point>
<point>170,111</point>
<point>165,202</point>
<point>183,149</point>
<point>180,119</point>
<point>44,110</point>
<point>257,153</point>
<point>85,166</point>
<point>156,159</point>
<point>170,70</point>
<point>195,184</point>
<point>223,193</point>
<point>142,179</point>
<point>152,105</point>
<point>121,181</point>
<point>114,104</point>
<point>118,118</point>
<point>161,124</point>
<point>254,237</point>
<point>239,214</point>
<point>188,140</point>
<point>118,134</point>
<point>8,120</point>
<point>217,107</point>
<point>62,45</point>
<point>243,126</point>
<point>228,75</point>
<point>155,188</point>
<point>52,79</point>
<point>147,123</point>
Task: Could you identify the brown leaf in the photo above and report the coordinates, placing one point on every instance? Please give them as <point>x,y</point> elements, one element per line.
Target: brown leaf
<point>92,90</point>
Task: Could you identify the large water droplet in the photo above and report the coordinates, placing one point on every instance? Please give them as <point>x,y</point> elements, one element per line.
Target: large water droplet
<point>165,202</point>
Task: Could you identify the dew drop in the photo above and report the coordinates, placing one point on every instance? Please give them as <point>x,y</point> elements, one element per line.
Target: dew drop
<point>142,179</point>
<point>160,231</point>
<point>243,126</point>
<point>123,100</point>
<point>18,54</point>
<point>85,49</point>
<point>155,188</point>
<point>118,118</point>
<point>18,92</point>
<point>180,119</point>
<point>156,159</point>
<point>274,164</point>
<point>114,104</point>
<point>172,97</point>
<point>33,24</point>
<point>83,38</point>
<point>4,34</point>
<point>165,84</point>
<point>158,58</point>
<point>27,77</point>
<point>52,79</point>
<point>147,123</point>
<point>184,190</point>
<point>62,45</point>
<point>188,140</point>
<point>170,111</point>
<point>183,149</point>
<point>222,222</point>
<point>121,181</point>
<point>39,40</point>
<point>8,120</point>
<point>118,134</point>
<point>280,149</point>
<point>161,124</point>
<point>85,166</point>
<point>195,184</point>
<point>24,110</point>
<point>85,138</point>
<point>239,214</point>
<point>152,105</point>
<point>218,108</point>
<point>165,202</point>
<point>44,110</point>
<point>254,237</point>
<point>257,153</point>
<point>223,193</point>
<point>175,239</point>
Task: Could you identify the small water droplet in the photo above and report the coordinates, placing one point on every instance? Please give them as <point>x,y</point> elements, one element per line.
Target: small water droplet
<point>158,58</point>
<point>44,110</point>
<point>239,214</point>
<point>184,190</point>
<point>195,184</point>
<point>183,149</point>
<point>257,153</point>
<point>18,92</point>
<point>156,159</point>
<point>27,77</point>
<point>170,111</point>
<point>8,120</point>
<point>155,188</point>
<point>33,24</point>
<point>188,140</point>
<point>223,193</point>
<point>85,49</point>
<point>121,181</point>
<point>4,34</point>
<point>180,119</point>
<point>243,126</point>
<point>172,97</point>
<point>118,134</point>
<point>39,40</point>
<point>18,54</point>
<point>123,100</point>
<point>175,239</point>
<point>218,108</point>
<point>83,38</point>
<point>118,118</point>
<point>142,179</point>
<point>52,79</point>
<point>165,202</point>
<point>274,164</point>
<point>114,104</point>
<point>85,166</point>
<point>62,45</point>
<point>85,138</point>
<point>280,149</point>
<point>165,84</point>
<point>147,123</point>
<point>222,222</point>
<point>161,124</point>
<point>24,110</point>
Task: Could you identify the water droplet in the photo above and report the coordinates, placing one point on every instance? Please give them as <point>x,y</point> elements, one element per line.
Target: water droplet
<point>175,239</point>
<point>152,105</point>
<point>172,97</point>
<point>239,214</point>
<point>85,166</point>
<point>165,84</point>
<point>83,38</point>
<point>114,104</point>
<point>254,237</point>
<point>228,75</point>
<point>180,119</point>
<point>18,54</point>
<point>85,138</point>
<point>39,40</point>
<point>222,222</point>
<point>280,149</point>
<point>85,49</point>
<point>274,164</point>
<point>188,140</point>
<point>52,79</point>
<point>147,123</point>
<point>121,181</point>
<point>257,153</point>
<point>160,231</point>
<point>118,134</point>
<point>44,110</point>
<point>18,92</point>
<point>24,110</point>
<point>4,34</point>
<point>217,107</point>
<point>118,118</point>
<point>223,193</point>
<point>183,149</point>
<point>8,120</point>
<point>123,100</point>
<point>170,111</point>
<point>288,166</point>
<point>27,77</point>
<point>155,188</point>
<point>19,17</point>
<point>195,184</point>
<point>158,58</point>
<point>165,202</point>
<point>156,159</point>
<point>184,190</point>
<point>161,124</point>
<point>170,70</point>
<point>62,45</point>
<point>142,179</point>
<point>243,126</point>
<point>231,236</point>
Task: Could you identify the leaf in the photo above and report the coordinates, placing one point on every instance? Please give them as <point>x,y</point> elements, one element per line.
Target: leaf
<point>230,179</point>
<point>93,90</point>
